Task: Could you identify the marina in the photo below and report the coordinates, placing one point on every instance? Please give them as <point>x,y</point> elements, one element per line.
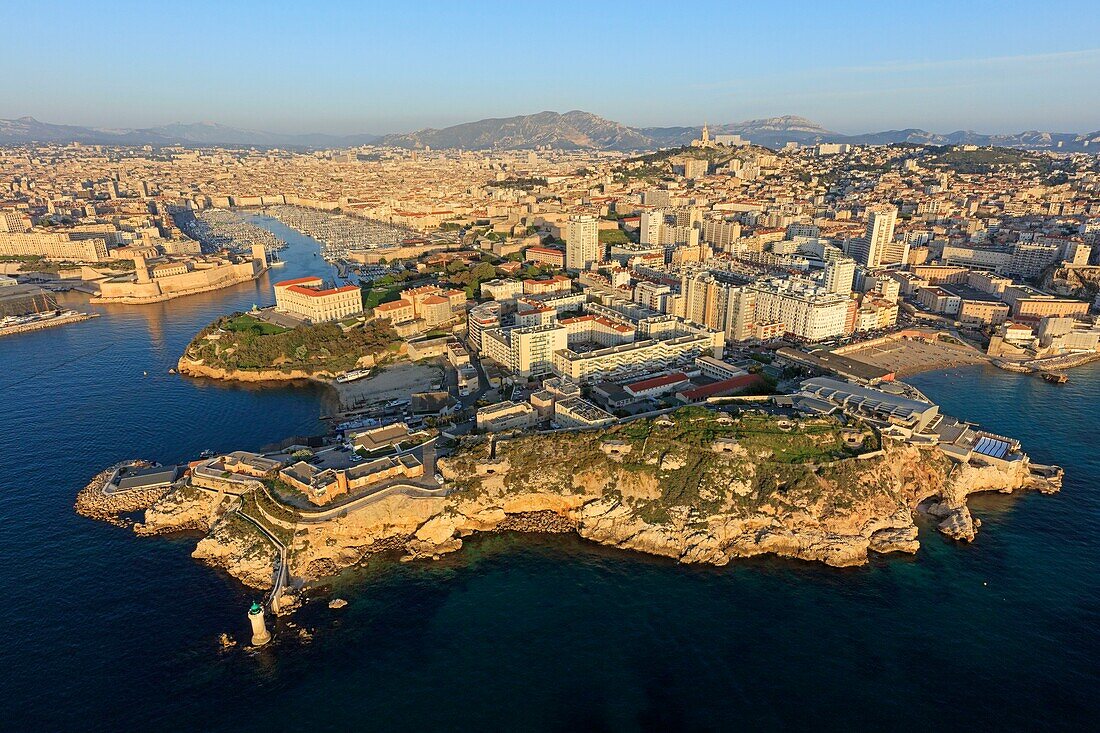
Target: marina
<point>221,229</point>
<point>339,234</point>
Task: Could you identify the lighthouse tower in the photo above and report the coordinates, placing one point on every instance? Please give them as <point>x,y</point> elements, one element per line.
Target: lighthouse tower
<point>260,636</point>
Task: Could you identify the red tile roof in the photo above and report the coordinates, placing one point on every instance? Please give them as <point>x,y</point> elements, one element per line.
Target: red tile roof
<point>298,281</point>
<point>315,293</point>
<point>720,388</point>
<point>655,382</point>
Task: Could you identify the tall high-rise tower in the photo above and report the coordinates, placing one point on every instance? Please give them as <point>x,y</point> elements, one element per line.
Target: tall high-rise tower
<point>649,229</point>
<point>839,274</point>
<point>877,247</point>
<point>582,242</point>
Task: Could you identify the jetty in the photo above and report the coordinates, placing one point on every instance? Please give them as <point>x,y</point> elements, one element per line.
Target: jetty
<point>24,324</point>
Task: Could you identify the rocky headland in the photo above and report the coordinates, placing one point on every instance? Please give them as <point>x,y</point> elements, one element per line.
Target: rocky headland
<point>244,348</point>
<point>193,368</point>
<point>94,501</point>
<point>698,487</point>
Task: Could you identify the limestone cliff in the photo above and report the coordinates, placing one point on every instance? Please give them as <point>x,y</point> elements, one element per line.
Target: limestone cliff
<point>698,488</point>
<point>236,546</point>
<point>198,369</point>
<point>184,508</point>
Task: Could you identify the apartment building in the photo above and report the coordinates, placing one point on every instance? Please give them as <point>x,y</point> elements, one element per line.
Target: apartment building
<point>14,222</point>
<point>422,308</point>
<point>741,318</point>
<point>594,329</point>
<point>652,295</point>
<point>808,312</point>
<point>637,356</point>
<point>1035,308</point>
<point>480,319</point>
<point>939,300</point>
<point>983,312</point>
<point>839,275</point>
<point>649,229</point>
<point>977,257</point>
<point>52,246</point>
<point>1029,259</point>
<point>877,246</point>
<point>562,302</point>
<point>542,286</point>
<point>506,415</point>
<point>704,299</point>
<point>525,351</point>
<point>875,314</point>
<point>582,242</point>
<point>545,256</point>
<point>501,289</point>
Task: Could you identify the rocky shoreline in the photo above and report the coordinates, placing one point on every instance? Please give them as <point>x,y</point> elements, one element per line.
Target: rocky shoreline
<point>92,502</point>
<point>196,369</point>
<point>837,512</point>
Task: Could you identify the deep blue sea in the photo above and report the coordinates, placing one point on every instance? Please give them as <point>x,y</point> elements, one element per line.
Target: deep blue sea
<point>104,631</point>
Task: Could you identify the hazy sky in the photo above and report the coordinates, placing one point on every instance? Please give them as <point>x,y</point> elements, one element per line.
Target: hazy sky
<point>345,67</point>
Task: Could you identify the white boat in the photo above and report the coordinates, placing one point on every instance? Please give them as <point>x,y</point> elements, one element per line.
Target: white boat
<point>353,375</point>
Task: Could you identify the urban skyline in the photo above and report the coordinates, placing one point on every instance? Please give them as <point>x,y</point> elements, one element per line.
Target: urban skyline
<point>616,367</point>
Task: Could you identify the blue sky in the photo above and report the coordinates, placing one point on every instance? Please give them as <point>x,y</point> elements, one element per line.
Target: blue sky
<point>345,67</point>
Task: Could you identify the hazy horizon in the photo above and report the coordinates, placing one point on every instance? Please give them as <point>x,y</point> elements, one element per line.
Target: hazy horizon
<point>343,69</point>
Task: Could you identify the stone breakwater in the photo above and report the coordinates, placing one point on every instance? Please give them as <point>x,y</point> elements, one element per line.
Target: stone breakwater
<point>93,502</point>
<point>1052,363</point>
<point>47,323</point>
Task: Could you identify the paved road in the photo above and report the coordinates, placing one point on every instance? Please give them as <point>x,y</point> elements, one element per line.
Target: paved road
<point>483,379</point>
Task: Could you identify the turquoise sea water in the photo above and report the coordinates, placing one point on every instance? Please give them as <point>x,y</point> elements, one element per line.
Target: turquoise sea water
<point>105,631</point>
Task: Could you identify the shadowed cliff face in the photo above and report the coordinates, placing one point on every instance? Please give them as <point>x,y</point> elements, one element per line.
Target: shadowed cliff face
<point>698,487</point>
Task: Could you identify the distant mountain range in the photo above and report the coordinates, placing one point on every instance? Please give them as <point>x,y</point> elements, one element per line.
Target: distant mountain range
<point>574,130</point>
<point>27,129</point>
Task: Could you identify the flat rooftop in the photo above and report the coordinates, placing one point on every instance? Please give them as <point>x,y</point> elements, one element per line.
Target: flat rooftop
<point>838,363</point>
<point>140,478</point>
<point>968,293</point>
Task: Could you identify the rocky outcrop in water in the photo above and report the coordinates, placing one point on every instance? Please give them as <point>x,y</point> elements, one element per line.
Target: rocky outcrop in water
<point>94,503</point>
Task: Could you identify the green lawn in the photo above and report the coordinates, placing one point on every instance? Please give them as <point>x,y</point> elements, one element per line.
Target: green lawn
<point>247,323</point>
<point>613,236</point>
<point>383,294</point>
